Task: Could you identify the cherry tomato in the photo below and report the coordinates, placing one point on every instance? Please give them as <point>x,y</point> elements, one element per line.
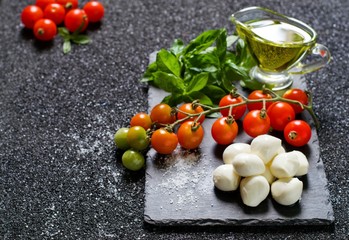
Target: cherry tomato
<point>256,123</point>
<point>188,108</point>
<point>163,141</point>
<point>162,114</point>
<point>55,12</point>
<point>43,3</point>
<point>76,20</point>
<point>238,111</point>
<point>280,114</point>
<point>45,29</point>
<point>30,15</point>
<point>297,133</point>
<point>94,11</point>
<point>141,119</point>
<point>190,135</point>
<point>137,138</point>
<point>257,95</point>
<point>224,131</point>
<point>299,95</point>
<point>68,4</point>
<point>120,139</point>
<point>133,160</point>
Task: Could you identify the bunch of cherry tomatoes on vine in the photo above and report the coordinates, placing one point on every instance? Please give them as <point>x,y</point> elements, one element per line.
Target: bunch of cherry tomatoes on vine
<point>45,15</point>
<point>166,127</point>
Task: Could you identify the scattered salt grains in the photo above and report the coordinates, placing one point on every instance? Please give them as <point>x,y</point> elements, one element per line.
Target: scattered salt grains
<point>185,178</point>
<point>93,143</point>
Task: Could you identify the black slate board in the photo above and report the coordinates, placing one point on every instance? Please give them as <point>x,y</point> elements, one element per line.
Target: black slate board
<point>179,189</point>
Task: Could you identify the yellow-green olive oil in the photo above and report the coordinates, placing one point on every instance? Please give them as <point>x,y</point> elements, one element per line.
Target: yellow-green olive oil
<point>276,45</point>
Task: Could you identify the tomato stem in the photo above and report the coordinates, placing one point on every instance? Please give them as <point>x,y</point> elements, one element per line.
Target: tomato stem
<point>275,97</point>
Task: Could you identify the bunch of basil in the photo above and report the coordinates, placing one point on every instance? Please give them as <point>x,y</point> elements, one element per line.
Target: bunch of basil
<point>205,69</point>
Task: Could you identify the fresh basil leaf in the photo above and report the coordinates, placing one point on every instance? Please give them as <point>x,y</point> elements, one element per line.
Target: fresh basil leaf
<point>63,32</point>
<point>203,41</point>
<point>173,99</point>
<point>204,99</point>
<point>168,63</point>
<point>177,47</point>
<point>203,62</point>
<point>169,82</point>
<point>66,46</point>
<point>214,92</point>
<point>148,74</point>
<point>80,39</point>
<point>197,83</point>
<point>253,84</point>
<point>221,45</point>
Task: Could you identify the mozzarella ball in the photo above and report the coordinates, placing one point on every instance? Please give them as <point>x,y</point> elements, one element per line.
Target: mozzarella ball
<point>254,190</point>
<point>248,164</point>
<point>225,178</point>
<point>303,163</point>
<point>234,149</point>
<point>266,147</point>
<point>285,165</point>
<point>268,175</point>
<point>287,191</point>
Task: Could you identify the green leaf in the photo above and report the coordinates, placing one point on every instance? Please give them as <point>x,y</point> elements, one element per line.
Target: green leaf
<point>80,39</point>
<point>148,74</point>
<point>203,41</point>
<point>233,73</point>
<point>221,45</point>
<point>197,83</point>
<point>215,93</point>
<point>168,63</point>
<point>177,47</point>
<point>66,46</point>
<point>169,82</point>
<point>173,99</point>
<point>204,99</point>
<point>63,32</point>
<point>203,62</point>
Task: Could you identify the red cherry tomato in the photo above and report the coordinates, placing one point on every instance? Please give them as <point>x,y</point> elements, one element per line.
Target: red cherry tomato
<point>94,11</point>
<point>163,141</point>
<point>257,95</point>
<point>224,131</point>
<point>141,119</point>
<point>256,123</point>
<point>297,133</point>
<point>188,108</point>
<point>76,20</point>
<point>30,15</point>
<point>299,95</point>
<point>43,3</point>
<point>190,135</point>
<point>162,114</point>
<point>45,29</point>
<point>280,114</point>
<point>68,4</point>
<point>55,12</point>
<point>238,111</point>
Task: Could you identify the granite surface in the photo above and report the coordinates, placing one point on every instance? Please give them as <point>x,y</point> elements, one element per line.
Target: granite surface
<point>60,174</point>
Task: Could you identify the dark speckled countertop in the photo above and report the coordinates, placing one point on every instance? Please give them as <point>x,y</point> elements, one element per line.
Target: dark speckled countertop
<point>60,175</point>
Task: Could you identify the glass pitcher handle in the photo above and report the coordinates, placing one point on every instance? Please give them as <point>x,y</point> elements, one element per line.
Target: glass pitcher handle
<point>323,57</point>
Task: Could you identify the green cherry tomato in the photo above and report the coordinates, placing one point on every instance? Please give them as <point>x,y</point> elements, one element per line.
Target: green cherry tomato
<point>120,138</point>
<point>137,138</point>
<point>133,160</point>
